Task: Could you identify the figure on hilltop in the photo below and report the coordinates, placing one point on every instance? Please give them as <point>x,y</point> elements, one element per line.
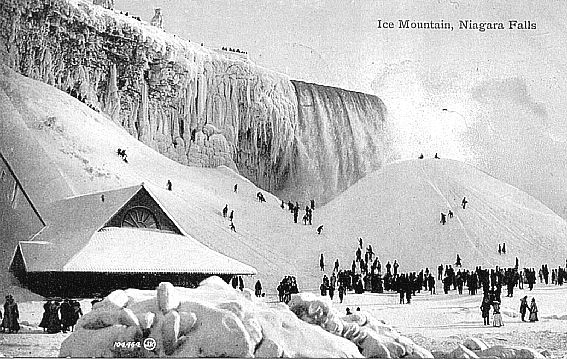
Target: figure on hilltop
<point>107,4</point>
<point>157,20</point>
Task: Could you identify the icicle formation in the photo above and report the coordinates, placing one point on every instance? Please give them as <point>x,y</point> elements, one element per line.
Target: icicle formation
<point>197,105</point>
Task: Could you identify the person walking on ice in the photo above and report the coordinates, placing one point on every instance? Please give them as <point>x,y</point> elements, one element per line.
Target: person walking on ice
<point>450,214</point>
<point>225,211</point>
<point>443,219</point>
<point>499,249</point>
<point>524,307</point>
<point>533,311</point>
<point>169,185</point>
<point>231,216</point>
<point>458,262</point>
<point>503,248</point>
<point>464,202</point>
<point>322,262</point>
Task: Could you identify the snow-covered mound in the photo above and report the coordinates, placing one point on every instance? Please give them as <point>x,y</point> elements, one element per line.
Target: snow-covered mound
<point>398,211</point>
<point>215,320</point>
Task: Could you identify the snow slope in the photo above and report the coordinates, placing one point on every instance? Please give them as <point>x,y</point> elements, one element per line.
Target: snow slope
<point>395,208</point>
<point>398,211</point>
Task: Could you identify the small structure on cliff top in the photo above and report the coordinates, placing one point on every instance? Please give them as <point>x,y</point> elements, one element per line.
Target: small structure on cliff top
<point>157,20</point>
<point>107,4</point>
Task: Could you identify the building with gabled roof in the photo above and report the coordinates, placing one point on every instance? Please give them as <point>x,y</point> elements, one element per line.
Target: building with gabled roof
<point>124,238</point>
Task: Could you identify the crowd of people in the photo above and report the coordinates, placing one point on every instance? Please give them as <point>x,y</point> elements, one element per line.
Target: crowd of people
<point>287,287</point>
<point>230,49</point>
<point>60,316</point>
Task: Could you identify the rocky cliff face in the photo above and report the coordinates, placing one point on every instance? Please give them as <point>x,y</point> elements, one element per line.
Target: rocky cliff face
<point>198,106</point>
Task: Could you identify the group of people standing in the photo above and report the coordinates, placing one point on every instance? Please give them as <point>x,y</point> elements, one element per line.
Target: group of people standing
<point>60,315</point>
<point>11,315</point>
<point>287,287</point>
<point>294,209</point>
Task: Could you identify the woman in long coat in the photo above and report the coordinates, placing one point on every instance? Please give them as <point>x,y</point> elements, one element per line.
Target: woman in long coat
<point>497,322</point>
<point>533,311</point>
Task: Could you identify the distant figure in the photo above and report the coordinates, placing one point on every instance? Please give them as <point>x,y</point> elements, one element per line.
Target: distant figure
<point>102,197</point>
<point>232,227</point>
<point>231,215</point>
<point>458,262</point>
<point>443,218</point>
<point>497,320</point>
<point>322,262</point>
<point>168,185</point>
<point>157,20</point>
<point>225,211</point>
<point>283,206</point>
<point>319,229</point>
<point>464,202</point>
<point>436,157</point>
<point>517,262</point>
<point>485,310</point>
<point>533,311</point>
<point>503,248</point>
<point>421,156</point>
<point>360,242</point>
<point>450,214</point>
<point>499,249</point>
<point>524,307</point>
<point>236,188</point>
<point>258,289</point>
<point>312,204</point>
<point>336,265</point>
<point>396,265</point>
<point>348,312</point>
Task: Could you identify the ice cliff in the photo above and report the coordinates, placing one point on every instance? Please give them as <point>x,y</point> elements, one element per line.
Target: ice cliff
<point>198,106</point>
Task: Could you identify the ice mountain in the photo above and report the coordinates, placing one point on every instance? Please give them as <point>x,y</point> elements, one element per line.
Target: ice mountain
<point>398,209</point>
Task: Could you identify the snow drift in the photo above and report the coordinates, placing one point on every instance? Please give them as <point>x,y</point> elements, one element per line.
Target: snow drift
<point>215,320</point>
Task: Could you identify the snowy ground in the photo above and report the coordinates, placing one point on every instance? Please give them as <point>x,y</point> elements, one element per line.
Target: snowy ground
<point>437,322</point>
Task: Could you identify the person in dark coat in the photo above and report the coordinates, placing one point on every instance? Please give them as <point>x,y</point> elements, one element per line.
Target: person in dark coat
<point>240,283</point>
<point>533,311</point>
<point>443,219</point>
<point>77,313</point>
<point>66,315</point>
<point>225,211</point>
<point>45,316</point>
<point>235,188</point>
<point>54,321</point>
<point>169,185</point>
<point>458,262</point>
<point>231,216</point>
<point>11,315</point>
<point>485,309</point>
<point>336,265</point>
<point>322,262</point>
<point>499,249</point>
<point>258,289</point>
<point>524,307</point>
<point>464,202</point>
<point>342,292</point>
<point>503,248</point>
<point>319,229</point>
<point>312,204</point>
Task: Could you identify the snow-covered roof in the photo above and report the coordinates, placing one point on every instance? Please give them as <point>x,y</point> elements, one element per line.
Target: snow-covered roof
<point>75,240</point>
<point>131,250</point>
